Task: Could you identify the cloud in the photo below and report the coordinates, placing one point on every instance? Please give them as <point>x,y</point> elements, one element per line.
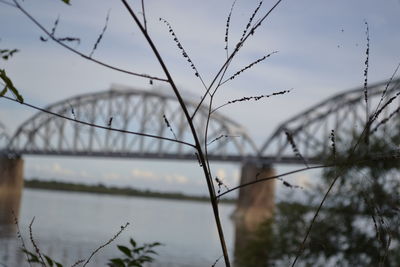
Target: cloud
<point>53,169</point>
<point>303,180</point>
<point>112,176</point>
<point>175,178</point>
<point>221,174</point>
<point>142,173</point>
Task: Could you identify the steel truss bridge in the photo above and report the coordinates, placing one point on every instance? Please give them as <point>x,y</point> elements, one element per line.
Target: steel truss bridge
<point>131,109</point>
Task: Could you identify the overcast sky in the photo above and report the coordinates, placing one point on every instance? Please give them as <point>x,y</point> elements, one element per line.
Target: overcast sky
<point>321,48</point>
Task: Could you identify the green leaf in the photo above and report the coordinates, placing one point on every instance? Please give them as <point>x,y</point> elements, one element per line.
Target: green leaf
<point>146,259</point>
<point>4,91</point>
<point>136,250</point>
<point>155,244</point>
<point>66,1</point>
<point>125,250</point>
<point>152,251</point>
<point>133,243</point>
<point>49,260</point>
<point>117,262</point>
<point>10,85</point>
<point>31,256</point>
<point>135,264</point>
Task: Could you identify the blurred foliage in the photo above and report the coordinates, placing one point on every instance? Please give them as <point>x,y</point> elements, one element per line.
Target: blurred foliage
<point>135,255</point>
<point>357,226</point>
<point>41,259</point>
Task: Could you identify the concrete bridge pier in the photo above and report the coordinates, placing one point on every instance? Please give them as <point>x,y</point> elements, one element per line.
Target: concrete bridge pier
<point>256,204</point>
<point>11,184</point>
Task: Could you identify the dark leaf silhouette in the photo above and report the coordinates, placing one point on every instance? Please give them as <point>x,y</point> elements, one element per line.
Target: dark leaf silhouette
<point>7,53</point>
<point>9,85</point>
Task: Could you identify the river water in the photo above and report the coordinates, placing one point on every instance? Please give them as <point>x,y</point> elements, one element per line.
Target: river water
<point>68,226</point>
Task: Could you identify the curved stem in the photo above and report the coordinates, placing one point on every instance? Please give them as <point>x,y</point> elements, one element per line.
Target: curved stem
<point>192,128</point>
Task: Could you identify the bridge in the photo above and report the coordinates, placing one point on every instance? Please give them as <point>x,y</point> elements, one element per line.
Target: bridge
<point>158,113</point>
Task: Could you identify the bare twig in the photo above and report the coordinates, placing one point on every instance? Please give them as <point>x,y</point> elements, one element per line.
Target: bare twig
<point>221,136</point>
<point>144,16</point>
<point>248,67</point>
<point>249,23</point>
<point>7,3</point>
<point>228,20</point>
<point>294,147</point>
<point>37,250</point>
<point>227,62</point>
<point>101,35</point>
<point>259,180</point>
<point>184,53</point>
<point>19,235</point>
<point>80,53</point>
<point>123,227</point>
<point>387,87</point>
<point>248,98</point>
<point>99,126</point>
<point>169,126</point>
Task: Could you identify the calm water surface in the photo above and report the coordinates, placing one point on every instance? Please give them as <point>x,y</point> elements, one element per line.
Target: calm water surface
<point>69,226</point>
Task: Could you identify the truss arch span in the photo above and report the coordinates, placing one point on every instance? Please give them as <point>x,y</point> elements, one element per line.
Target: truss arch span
<point>345,113</point>
<point>129,109</point>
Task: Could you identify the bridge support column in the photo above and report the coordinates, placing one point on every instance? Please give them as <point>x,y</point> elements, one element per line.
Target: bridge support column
<point>11,184</point>
<point>256,204</point>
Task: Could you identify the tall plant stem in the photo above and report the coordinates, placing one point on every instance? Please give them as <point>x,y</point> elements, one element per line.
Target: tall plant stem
<point>202,159</point>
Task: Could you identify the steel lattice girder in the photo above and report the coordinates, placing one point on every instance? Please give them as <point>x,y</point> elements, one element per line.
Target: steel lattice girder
<point>346,114</point>
<point>4,137</point>
<point>127,109</point>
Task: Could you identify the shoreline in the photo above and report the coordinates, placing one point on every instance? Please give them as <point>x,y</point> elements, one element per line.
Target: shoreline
<point>111,190</point>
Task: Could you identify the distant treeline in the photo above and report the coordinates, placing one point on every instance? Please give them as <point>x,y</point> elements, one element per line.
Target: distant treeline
<point>102,189</point>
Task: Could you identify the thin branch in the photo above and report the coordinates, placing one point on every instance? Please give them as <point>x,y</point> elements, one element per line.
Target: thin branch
<point>340,164</point>
<point>379,111</point>
<point>169,126</point>
<point>123,227</point>
<point>80,53</point>
<point>367,118</point>
<point>248,98</point>
<point>223,67</point>
<point>7,3</point>
<point>144,16</point>
<point>385,120</point>
<point>294,147</point>
<point>227,30</point>
<point>259,180</point>
<point>248,67</point>
<point>221,136</point>
<point>314,218</point>
<point>184,53</point>
<point>387,87</point>
<point>249,23</point>
<point>99,126</point>
<point>101,34</point>
<point>19,235</point>
<point>37,250</point>
<point>192,128</point>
